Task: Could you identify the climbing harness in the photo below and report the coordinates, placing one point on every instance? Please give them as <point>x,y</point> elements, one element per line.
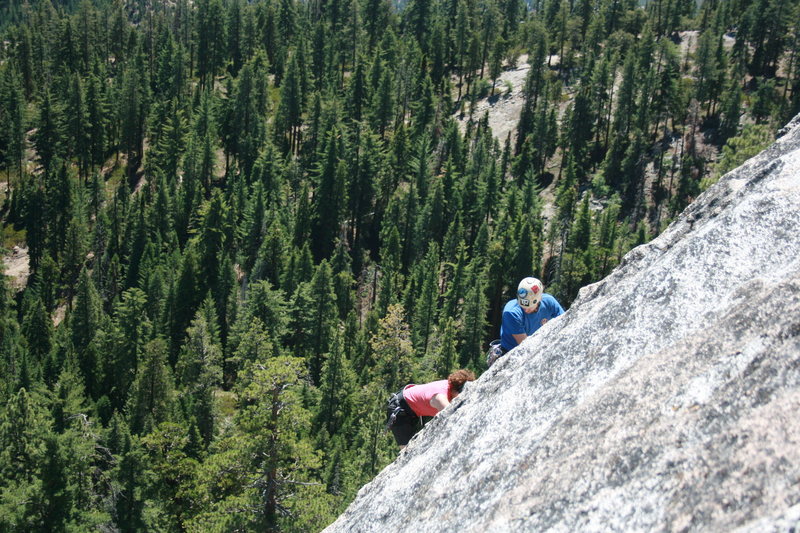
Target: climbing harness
<point>397,407</point>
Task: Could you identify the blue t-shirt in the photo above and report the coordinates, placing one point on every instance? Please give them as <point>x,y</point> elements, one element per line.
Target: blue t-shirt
<point>516,321</point>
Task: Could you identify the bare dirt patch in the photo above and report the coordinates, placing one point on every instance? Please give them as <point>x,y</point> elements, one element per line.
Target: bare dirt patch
<point>17,265</point>
<point>505,106</point>
<point>59,314</point>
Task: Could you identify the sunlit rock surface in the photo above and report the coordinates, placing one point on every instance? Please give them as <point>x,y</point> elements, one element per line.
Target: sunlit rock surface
<point>666,399</point>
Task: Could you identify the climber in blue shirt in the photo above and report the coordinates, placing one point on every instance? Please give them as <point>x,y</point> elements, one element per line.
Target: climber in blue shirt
<point>525,314</point>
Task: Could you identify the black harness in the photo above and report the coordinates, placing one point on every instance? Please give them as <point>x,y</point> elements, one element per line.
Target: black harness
<point>397,407</point>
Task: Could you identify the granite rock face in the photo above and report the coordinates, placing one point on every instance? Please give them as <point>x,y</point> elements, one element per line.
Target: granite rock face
<point>666,399</point>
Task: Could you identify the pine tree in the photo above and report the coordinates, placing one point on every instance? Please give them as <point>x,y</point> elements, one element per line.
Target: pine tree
<point>234,37</point>
<point>199,367</point>
<point>200,160</point>
<point>338,381</point>
<point>362,190</point>
<point>78,126</point>
<point>688,183</point>
<point>124,345</point>
<point>211,40</point>
<point>496,62</point>
<point>37,327</point>
<point>633,169</point>
<point>268,170</point>
<point>50,133</point>
<point>535,86</point>
<point>270,444</point>
<point>522,257</point>
<point>132,111</point>
<point>166,154</point>
<point>174,469</point>
<point>98,111</point>
<point>383,103</point>
<point>626,98</point>
<point>243,127</point>
<point>448,347</point>
<point>315,319</point>
<point>392,351</point>
<point>23,427</point>
<point>430,223</point>
<point>290,108</point>
<point>330,197</point>
<point>425,306</point>
<point>186,298</point>
<point>10,337</point>
<point>607,238</point>
<point>129,503</point>
<point>391,280</point>
<point>12,121</point>
<point>84,323</point>
<point>731,111</point>
<point>75,246</point>
<point>57,504</point>
<point>151,393</point>
<point>212,242</point>
<point>271,260</point>
<point>578,260</point>
<point>579,132</point>
<point>25,61</point>
<point>269,305</point>
<point>706,89</point>
<point>200,362</point>
<point>454,284</point>
<point>473,315</point>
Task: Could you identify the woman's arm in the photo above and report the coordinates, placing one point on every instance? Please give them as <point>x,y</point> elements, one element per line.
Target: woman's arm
<point>439,401</point>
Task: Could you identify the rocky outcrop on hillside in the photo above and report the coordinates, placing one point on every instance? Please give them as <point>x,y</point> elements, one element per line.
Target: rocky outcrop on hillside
<point>665,399</point>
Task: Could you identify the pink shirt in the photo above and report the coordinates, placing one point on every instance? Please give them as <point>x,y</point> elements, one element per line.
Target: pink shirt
<point>419,397</point>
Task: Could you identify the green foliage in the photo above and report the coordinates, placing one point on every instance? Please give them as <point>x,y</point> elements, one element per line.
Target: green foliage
<point>392,350</point>
<point>739,149</point>
<point>248,222</point>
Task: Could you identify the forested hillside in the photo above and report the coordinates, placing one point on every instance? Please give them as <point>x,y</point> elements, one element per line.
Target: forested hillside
<point>247,223</point>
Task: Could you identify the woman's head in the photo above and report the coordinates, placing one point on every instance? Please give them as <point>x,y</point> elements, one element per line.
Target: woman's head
<point>456,380</point>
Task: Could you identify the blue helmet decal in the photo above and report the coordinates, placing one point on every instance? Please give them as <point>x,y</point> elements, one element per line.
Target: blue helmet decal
<point>522,291</point>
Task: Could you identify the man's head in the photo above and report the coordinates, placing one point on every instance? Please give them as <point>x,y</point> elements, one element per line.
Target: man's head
<point>456,380</point>
<point>529,294</point>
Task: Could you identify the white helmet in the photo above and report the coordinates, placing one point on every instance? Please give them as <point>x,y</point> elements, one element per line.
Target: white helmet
<point>529,292</point>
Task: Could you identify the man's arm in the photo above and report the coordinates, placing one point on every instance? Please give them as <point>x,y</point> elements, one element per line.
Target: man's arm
<point>513,324</point>
<point>439,401</point>
<point>557,309</point>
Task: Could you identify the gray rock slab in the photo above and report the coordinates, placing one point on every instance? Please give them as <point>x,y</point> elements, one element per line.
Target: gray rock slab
<point>665,399</point>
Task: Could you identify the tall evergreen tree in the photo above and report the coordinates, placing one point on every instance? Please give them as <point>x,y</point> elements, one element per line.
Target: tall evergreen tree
<point>330,197</point>
<point>151,394</point>
<point>424,311</point>
<point>290,108</point>
<point>315,319</point>
<point>12,121</point>
<point>85,320</point>
<point>50,133</point>
<point>392,351</point>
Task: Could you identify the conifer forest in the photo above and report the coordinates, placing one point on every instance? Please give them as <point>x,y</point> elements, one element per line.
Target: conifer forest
<point>243,224</point>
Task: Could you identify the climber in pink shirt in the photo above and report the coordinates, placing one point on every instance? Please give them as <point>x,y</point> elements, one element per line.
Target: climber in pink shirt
<point>415,401</point>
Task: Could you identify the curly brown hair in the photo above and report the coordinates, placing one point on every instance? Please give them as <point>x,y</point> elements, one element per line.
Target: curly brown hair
<point>456,380</point>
